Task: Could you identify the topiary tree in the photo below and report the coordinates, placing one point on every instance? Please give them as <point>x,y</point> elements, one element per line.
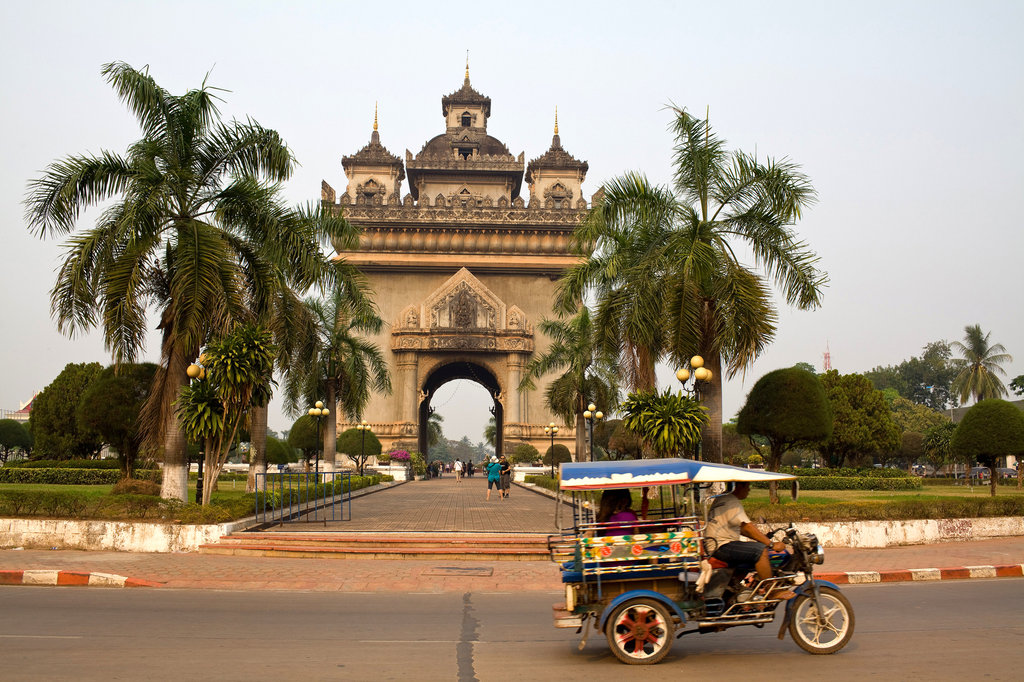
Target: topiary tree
<point>279,452</point>
<point>360,445</point>
<point>561,454</point>
<point>993,428</point>
<point>110,407</point>
<point>524,453</point>
<point>786,407</point>
<point>13,436</point>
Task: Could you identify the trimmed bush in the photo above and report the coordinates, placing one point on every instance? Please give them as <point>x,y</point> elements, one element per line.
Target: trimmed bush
<point>64,464</point>
<point>852,483</point>
<point>63,476</point>
<point>134,486</point>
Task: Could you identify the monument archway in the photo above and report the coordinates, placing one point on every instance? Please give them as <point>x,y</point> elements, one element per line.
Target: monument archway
<point>462,267</point>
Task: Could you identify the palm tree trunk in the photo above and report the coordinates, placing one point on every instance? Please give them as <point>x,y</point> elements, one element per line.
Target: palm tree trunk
<point>711,434</point>
<point>175,482</point>
<point>257,448</point>
<point>331,432</point>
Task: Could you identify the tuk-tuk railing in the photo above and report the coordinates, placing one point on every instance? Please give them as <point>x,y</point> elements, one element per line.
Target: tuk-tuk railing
<point>610,548</point>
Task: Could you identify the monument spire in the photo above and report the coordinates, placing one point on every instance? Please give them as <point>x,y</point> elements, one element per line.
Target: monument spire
<point>556,119</point>
<point>375,117</point>
<point>467,67</point>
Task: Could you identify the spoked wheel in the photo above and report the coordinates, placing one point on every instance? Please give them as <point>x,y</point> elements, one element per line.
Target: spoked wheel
<point>640,632</point>
<point>833,631</point>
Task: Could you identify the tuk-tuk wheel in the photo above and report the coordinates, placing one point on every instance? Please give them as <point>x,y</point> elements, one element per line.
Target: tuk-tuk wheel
<point>640,631</point>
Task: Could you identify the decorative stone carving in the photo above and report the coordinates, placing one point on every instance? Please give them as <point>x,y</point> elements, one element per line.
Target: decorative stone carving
<point>326,192</point>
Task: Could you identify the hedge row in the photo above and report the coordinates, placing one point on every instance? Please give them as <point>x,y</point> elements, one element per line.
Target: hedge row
<point>848,472</point>
<point>60,476</point>
<point>83,505</point>
<point>887,510</point>
<point>63,464</point>
<point>851,483</point>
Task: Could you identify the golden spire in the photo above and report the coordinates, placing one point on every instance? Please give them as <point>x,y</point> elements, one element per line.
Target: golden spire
<point>556,119</point>
<point>374,116</point>
<point>467,66</point>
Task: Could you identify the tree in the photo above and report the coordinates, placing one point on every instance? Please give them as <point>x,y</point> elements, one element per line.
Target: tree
<point>862,424</point>
<point>524,453</point>
<point>1018,385</point>
<point>806,366</point>
<point>13,436</point>
<point>360,445</point>
<point>623,443</point>
<point>664,266</point>
<point>491,433</point>
<point>989,431</point>
<point>911,447</point>
<point>924,380</point>
<point>279,452</point>
<point>979,366</point>
<point>305,437</point>
<point>55,429</point>
<point>214,409</point>
<point>915,417</point>
<point>435,431</point>
<point>195,232</point>
<point>669,422</point>
<point>333,361</point>
<point>787,407</point>
<point>110,407</point>
<point>936,445</point>
<point>587,371</point>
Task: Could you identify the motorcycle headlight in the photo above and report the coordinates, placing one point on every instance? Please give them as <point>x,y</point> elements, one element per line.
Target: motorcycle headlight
<point>818,557</point>
<point>809,542</point>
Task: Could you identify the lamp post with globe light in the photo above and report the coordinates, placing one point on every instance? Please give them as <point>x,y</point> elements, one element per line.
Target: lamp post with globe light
<point>197,372</point>
<point>319,413</point>
<point>694,382</point>
<point>363,428</point>
<point>551,430</point>
<point>590,415</point>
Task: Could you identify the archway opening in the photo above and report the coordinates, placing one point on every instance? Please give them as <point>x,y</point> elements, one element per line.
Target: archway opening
<point>477,384</point>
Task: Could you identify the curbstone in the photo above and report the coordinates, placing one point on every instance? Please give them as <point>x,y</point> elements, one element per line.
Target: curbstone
<point>71,579</point>
<point>923,574</point>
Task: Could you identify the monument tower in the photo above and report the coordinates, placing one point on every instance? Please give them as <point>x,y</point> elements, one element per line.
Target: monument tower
<point>462,267</point>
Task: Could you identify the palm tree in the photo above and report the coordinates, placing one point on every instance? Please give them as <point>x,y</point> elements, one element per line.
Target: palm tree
<point>434,429</point>
<point>979,366</point>
<point>665,269</point>
<point>333,362</point>
<point>588,372</point>
<point>196,230</point>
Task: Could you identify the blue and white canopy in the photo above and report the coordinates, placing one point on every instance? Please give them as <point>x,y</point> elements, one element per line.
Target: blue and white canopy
<point>637,473</point>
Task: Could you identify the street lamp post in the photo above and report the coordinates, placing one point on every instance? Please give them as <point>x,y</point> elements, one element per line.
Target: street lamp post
<point>591,414</point>
<point>196,371</point>
<point>363,428</point>
<point>319,413</point>
<point>551,430</point>
<point>694,382</point>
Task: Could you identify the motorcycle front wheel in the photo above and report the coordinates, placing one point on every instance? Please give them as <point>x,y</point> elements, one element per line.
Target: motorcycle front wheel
<point>640,632</point>
<point>833,631</point>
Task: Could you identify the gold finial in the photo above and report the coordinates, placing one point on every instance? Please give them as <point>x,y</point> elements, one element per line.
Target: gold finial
<point>375,116</point>
<point>556,119</point>
<point>467,66</point>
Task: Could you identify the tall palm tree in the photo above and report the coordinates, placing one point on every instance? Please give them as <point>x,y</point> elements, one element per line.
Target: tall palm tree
<point>434,429</point>
<point>588,373</point>
<point>196,231</point>
<point>334,362</point>
<point>665,268</point>
<point>979,366</point>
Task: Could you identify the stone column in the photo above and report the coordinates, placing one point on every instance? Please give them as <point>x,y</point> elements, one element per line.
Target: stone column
<point>514,401</point>
<point>407,369</point>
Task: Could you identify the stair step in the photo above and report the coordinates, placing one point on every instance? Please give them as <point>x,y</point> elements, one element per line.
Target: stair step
<point>483,554</point>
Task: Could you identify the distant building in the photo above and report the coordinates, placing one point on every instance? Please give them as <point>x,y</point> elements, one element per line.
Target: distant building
<point>21,414</point>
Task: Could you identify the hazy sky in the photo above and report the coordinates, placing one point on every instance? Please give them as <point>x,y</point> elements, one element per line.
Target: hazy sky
<point>905,115</point>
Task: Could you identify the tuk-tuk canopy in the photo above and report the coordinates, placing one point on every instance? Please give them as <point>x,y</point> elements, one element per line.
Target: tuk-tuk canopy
<point>637,473</point>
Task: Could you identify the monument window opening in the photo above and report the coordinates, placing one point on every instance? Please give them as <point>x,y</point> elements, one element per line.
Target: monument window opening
<point>467,120</point>
<point>465,152</point>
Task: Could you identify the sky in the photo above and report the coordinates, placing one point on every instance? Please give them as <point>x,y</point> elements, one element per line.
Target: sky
<point>906,116</point>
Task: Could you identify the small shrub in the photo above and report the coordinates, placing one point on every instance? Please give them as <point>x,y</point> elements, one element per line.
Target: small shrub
<point>134,486</point>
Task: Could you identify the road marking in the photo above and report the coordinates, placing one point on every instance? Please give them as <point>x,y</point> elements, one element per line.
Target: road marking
<point>41,637</point>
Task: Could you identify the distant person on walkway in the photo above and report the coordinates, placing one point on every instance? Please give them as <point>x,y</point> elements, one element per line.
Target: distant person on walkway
<point>505,475</point>
<point>458,471</point>
<point>493,476</point>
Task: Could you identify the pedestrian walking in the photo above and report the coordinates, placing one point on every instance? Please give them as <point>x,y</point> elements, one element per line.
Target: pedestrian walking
<point>458,471</point>
<point>493,477</point>
<point>505,476</point>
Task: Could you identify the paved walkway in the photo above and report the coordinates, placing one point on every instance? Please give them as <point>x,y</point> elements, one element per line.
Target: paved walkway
<point>444,505</point>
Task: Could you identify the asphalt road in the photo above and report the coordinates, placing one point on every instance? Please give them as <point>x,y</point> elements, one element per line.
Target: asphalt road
<point>958,630</point>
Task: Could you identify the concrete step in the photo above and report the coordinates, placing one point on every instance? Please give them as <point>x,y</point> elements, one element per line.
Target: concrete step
<point>466,546</point>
